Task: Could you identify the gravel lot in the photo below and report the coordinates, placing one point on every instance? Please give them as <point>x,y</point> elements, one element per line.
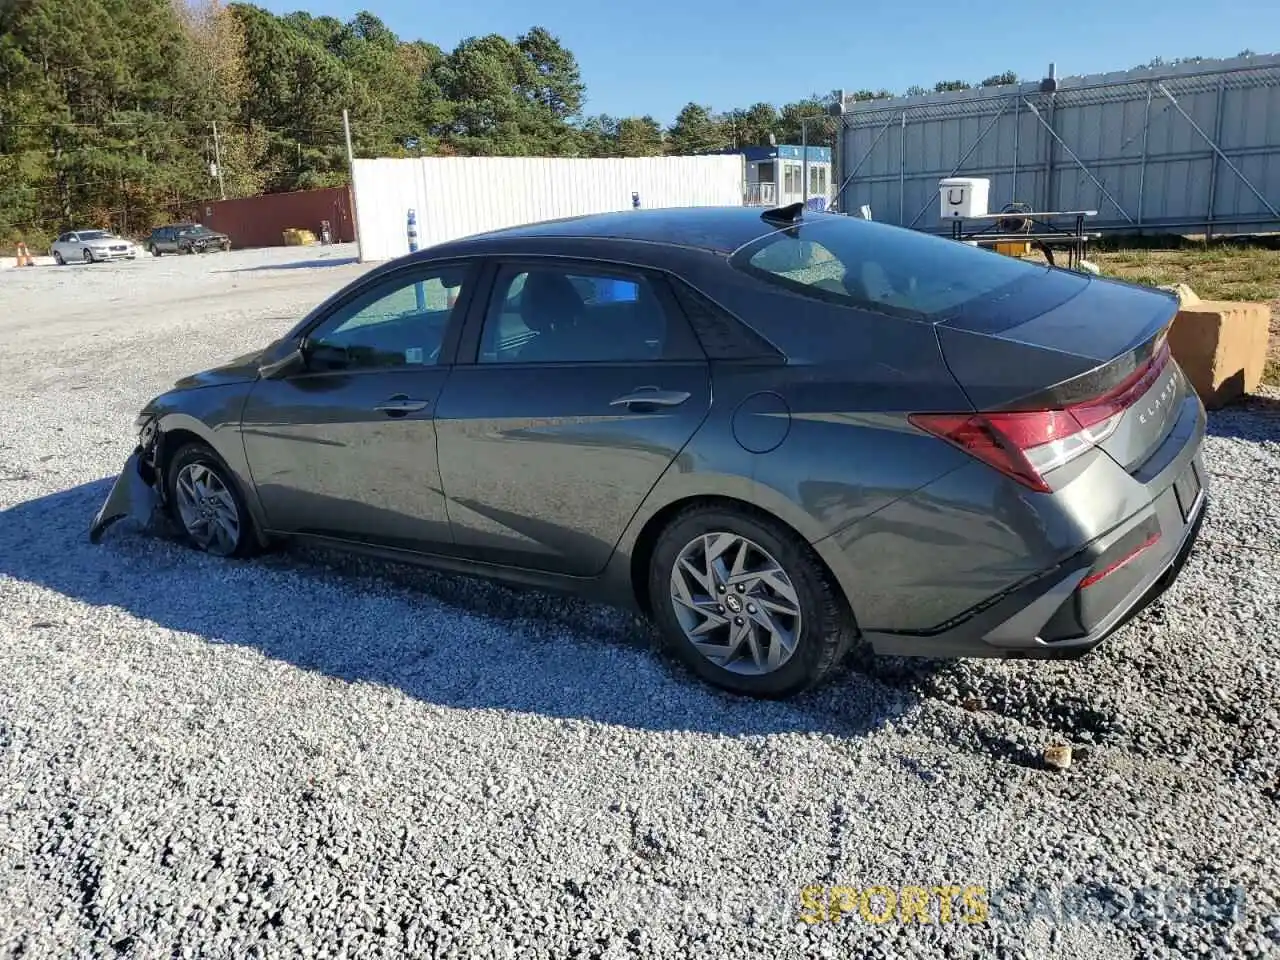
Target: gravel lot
<point>309,755</point>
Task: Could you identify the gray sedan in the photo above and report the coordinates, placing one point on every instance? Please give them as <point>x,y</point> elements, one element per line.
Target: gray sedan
<point>777,434</point>
<point>92,246</point>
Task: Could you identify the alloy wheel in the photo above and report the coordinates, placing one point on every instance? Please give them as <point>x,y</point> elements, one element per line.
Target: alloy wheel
<point>208,510</point>
<point>735,604</point>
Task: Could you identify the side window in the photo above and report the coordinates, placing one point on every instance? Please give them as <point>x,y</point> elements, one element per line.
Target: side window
<point>400,323</point>
<point>66,237</point>
<point>551,315</point>
<point>722,335</point>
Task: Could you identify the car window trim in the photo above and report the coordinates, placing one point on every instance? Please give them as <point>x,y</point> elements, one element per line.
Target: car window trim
<point>688,346</point>
<point>395,279</point>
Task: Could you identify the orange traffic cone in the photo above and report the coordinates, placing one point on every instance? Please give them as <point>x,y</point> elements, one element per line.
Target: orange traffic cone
<point>24,256</point>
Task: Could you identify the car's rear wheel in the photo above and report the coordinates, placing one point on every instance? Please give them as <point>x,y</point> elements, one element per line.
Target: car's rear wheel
<point>207,505</point>
<point>155,251</point>
<point>745,603</point>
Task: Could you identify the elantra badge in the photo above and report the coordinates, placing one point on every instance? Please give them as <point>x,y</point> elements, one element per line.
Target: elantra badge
<point>1162,398</point>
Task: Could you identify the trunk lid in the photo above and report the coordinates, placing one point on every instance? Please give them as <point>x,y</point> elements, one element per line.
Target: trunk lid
<point>1098,343</point>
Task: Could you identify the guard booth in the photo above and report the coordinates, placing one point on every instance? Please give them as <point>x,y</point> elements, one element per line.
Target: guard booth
<point>775,176</point>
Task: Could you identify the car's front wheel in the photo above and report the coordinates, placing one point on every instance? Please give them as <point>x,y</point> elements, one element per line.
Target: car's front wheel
<point>207,504</point>
<point>155,251</point>
<point>87,255</point>
<point>745,603</point>
<point>57,258</point>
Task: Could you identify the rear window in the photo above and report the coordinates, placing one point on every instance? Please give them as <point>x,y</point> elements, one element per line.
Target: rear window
<point>878,267</point>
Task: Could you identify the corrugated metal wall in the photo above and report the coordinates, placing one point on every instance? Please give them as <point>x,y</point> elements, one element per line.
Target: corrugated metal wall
<point>459,196</point>
<point>1124,144</point>
<point>261,221</point>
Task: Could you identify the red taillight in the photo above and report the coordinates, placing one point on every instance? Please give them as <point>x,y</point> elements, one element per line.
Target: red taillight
<point>1026,444</point>
<point>1124,561</point>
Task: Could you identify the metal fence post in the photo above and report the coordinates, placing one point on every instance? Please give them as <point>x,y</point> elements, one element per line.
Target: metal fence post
<point>1146,137</point>
<point>1213,164</point>
<point>1017,136</point>
<point>1050,155</point>
<point>902,170</point>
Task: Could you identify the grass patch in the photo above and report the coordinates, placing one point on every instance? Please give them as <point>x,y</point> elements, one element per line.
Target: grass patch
<point>1221,270</point>
<point>1214,272</point>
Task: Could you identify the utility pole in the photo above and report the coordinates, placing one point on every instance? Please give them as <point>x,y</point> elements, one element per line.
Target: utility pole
<point>346,129</point>
<point>217,161</point>
<point>804,157</point>
<point>351,167</point>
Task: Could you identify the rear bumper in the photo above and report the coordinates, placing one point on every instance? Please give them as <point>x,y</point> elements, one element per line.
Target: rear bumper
<point>1068,610</point>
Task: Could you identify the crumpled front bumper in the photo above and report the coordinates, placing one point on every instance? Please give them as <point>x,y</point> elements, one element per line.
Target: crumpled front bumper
<point>133,495</point>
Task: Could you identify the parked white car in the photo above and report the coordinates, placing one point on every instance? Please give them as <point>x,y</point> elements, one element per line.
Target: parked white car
<point>92,246</point>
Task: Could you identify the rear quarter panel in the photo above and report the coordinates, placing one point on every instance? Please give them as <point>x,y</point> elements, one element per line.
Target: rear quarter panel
<point>826,446</point>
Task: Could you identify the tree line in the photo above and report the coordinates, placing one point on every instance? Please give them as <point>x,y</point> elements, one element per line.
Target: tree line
<point>115,112</point>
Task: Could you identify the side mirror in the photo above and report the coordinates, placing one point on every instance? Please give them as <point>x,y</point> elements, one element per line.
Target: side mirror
<point>290,362</point>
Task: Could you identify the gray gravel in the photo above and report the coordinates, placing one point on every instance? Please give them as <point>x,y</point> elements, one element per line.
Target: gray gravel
<point>307,755</point>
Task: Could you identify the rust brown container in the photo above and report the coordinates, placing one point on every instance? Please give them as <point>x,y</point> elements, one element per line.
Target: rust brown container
<point>261,221</point>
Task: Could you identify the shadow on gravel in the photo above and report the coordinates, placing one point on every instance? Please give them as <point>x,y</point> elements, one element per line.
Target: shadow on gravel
<point>449,640</point>
<point>298,265</point>
<point>1253,418</point>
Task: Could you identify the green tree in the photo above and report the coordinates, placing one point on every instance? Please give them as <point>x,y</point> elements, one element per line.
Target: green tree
<point>639,137</point>
<point>696,130</point>
<point>598,136</point>
<point>1008,78</point>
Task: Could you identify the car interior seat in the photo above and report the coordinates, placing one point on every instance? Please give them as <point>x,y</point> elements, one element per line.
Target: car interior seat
<point>551,307</point>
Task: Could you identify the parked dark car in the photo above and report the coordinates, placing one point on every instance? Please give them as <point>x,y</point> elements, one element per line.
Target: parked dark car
<point>186,238</point>
<point>777,434</point>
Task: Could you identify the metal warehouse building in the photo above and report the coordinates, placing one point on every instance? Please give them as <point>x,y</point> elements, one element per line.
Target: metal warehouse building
<point>1193,148</point>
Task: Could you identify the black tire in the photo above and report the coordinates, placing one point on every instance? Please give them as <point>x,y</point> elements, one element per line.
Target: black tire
<point>155,251</point>
<point>827,630</point>
<point>87,255</point>
<point>195,452</point>
<point>57,258</point>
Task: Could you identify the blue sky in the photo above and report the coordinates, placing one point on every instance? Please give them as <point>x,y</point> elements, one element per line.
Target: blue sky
<point>654,57</point>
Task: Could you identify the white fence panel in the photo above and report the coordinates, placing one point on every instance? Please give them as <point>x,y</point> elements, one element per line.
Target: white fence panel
<point>459,196</point>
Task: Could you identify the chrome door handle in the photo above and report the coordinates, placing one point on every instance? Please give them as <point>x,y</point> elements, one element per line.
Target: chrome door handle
<point>398,406</point>
<point>651,396</point>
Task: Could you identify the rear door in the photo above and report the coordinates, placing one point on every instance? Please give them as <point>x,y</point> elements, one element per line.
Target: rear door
<point>577,386</point>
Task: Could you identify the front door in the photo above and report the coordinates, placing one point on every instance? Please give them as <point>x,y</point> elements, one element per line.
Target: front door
<point>347,447</point>
<point>586,384</point>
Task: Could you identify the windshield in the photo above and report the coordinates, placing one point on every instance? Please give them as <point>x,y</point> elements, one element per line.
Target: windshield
<point>94,235</point>
<point>879,267</point>
<point>199,231</point>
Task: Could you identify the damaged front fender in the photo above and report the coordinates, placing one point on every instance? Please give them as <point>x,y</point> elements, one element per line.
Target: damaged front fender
<point>133,495</point>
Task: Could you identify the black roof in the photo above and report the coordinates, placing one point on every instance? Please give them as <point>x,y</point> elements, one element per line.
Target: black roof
<point>719,229</point>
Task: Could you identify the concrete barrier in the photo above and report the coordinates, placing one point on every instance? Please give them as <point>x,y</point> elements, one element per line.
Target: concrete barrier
<point>1222,347</point>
